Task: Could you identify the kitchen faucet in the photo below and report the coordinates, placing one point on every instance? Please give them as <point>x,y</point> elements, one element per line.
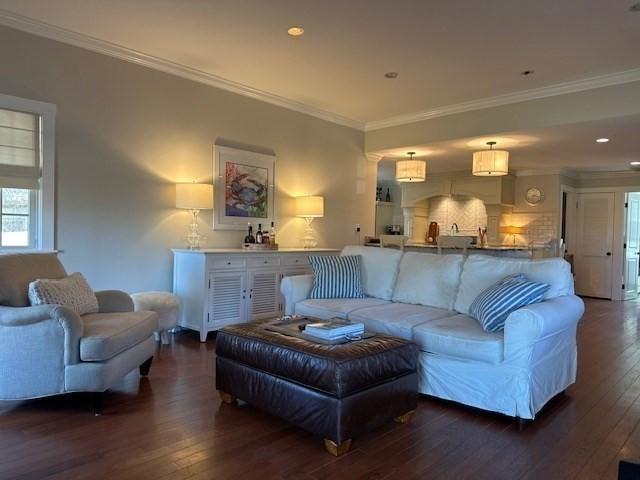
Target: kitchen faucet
<point>454,228</point>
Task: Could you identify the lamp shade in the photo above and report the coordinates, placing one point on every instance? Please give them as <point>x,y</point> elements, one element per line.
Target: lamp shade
<point>310,206</point>
<point>511,230</point>
<point>490,163</point>
<point>411,170</point>
<point>194,196</point>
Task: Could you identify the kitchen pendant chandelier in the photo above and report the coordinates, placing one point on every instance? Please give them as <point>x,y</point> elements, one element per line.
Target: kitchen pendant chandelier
<point>490,162</point>
<point>411,170</point>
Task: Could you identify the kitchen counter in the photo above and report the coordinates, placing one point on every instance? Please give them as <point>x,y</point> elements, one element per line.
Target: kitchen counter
<point>511,251</point>
<point>498,248</point>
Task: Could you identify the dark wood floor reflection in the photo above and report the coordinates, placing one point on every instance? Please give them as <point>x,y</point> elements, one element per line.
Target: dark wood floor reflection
<point>172,426</point>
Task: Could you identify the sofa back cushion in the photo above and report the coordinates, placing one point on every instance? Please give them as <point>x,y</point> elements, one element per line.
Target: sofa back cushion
<point>379,269</point>
<point>18,270</point>
<point>428,279</point>
<point>481,271</point>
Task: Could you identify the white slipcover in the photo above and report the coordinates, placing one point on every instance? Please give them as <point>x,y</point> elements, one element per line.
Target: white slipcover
<point>428,279</point>
<point>326,308</point>
<point>461,337</point>
<point>398,319</point>
<point>481,271</point>
<point>379,269</point>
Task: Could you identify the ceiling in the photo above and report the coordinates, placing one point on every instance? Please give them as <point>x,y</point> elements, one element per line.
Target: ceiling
<point>566,147</point>
<point>446,52</point>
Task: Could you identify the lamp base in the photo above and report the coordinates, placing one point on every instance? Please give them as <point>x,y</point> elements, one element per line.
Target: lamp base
<point>193,236</point>
<point>309,240</point>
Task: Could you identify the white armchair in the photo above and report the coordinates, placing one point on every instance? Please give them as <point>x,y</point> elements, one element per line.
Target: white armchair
<point>49,349</point>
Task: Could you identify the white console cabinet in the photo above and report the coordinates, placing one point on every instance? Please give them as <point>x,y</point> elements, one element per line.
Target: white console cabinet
<point>218,287</point>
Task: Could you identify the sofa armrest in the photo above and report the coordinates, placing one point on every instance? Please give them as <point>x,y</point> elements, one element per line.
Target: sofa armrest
<point>114,301</point>
<point>545,318</point>
<point>295,289</point>
<point>66,318</point>
<point>540,321</point>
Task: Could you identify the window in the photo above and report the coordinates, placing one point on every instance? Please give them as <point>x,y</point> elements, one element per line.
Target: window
<point>26,174</point>
<point>17,218</point>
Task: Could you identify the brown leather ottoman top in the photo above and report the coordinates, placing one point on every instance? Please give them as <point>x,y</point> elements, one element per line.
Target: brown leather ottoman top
<point>337,370</point>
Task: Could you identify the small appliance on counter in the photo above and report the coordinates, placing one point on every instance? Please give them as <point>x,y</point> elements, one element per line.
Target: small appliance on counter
<point>394,229</point>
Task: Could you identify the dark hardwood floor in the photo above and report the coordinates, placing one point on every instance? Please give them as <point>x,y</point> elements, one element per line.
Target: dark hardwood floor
<point>171,425</point>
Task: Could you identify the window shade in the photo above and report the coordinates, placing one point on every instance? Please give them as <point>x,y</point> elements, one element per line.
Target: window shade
<point>19,149</point>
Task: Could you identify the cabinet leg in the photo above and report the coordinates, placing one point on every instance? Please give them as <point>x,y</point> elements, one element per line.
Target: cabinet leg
<point>203,336</point>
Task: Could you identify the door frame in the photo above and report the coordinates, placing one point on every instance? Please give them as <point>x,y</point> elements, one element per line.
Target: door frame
<point>625,294</point>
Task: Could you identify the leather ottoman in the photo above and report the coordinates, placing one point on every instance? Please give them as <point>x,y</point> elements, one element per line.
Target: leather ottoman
<point>334,391</point>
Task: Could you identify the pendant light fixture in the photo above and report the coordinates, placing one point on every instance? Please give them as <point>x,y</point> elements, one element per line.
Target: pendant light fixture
<point>411,170</point>
<point>490,162</point>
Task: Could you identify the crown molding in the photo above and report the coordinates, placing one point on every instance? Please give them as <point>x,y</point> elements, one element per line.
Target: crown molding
<point>87,42</point>
<point>618,78</point>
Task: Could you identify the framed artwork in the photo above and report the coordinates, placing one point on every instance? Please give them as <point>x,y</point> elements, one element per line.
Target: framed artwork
<point>244,188</point>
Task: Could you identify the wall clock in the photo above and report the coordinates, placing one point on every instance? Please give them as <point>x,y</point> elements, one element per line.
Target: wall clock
<point>534,196</point>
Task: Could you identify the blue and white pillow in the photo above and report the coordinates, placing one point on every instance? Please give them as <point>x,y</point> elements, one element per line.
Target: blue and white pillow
<point>336,276</point>
<point>492,307</point>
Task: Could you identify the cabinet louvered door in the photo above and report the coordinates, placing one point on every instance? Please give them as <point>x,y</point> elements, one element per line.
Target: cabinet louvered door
<point>264,294</point>
<point>227,296</point>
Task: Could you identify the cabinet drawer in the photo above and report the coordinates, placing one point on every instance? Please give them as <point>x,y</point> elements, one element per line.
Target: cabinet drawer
<point>301,260</point>
<point>225,263</point>
<point>263,261</point>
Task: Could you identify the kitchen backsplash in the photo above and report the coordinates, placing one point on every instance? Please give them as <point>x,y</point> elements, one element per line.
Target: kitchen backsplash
<point>467,212</point>
<point>540,227</point>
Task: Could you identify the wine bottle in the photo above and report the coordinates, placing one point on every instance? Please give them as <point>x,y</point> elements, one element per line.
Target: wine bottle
<point>272,236</point>
<point>249,238</point>
<point>265,237</point>
<point>259,237</point>
<point>388,197</point>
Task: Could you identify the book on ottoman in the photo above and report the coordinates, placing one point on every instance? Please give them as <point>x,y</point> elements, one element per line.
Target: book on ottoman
<point>334,329</point>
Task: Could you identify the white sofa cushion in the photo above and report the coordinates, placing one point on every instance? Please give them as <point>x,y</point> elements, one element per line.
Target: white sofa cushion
<point>334,307</point>
<point>428,279</point>
<point>481,271</point>
<point>379,269</point>
<point>397,319</point>
<point>460,336</point>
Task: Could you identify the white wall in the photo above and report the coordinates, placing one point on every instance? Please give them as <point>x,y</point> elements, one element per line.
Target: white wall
<point>126,134</point>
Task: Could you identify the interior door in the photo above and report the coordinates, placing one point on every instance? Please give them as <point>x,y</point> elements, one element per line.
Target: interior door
<point>632,250</point>
<point>594,244</point>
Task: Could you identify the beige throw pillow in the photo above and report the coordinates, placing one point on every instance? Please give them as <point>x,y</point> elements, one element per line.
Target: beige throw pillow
<point>73,292</point>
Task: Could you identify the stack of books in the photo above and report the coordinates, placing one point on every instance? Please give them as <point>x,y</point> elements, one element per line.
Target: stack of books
<point>334,329</point>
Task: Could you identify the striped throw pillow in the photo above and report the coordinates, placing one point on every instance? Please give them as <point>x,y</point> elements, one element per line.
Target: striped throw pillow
<point>492,307</point>
<point>336,276</point>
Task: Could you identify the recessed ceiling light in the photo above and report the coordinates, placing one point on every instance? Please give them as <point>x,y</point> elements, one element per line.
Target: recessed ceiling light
<point>295,31</point>
<point>391,74</point>
<point>602,140</point>
<point>635,164</point>
<point>526,73</point>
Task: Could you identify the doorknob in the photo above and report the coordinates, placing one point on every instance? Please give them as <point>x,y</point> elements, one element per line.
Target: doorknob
<point>608,254</point>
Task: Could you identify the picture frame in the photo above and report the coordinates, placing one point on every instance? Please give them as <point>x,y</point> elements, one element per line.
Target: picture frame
<point>244,188</point>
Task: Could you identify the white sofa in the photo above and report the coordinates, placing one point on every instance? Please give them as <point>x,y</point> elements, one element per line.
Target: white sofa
<point>426,297</point>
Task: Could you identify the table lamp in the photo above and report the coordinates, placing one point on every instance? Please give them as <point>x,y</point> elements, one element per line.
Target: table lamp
<point>511,230</point>
<point>194,197</point>
<point>309,207</point>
